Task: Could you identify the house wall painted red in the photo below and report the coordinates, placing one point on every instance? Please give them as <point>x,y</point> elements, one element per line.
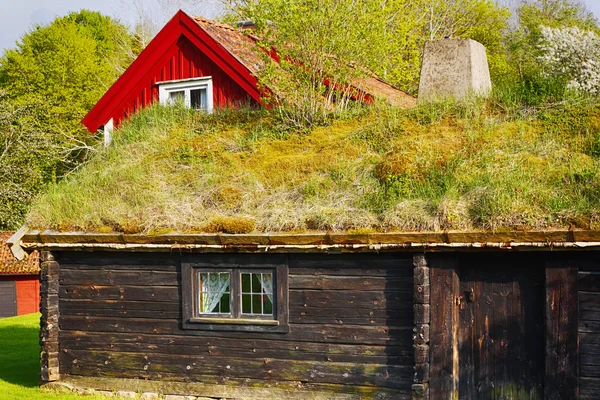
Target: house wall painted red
<point>27,292</point>
<point>181,50</point>
<point>182,60</point>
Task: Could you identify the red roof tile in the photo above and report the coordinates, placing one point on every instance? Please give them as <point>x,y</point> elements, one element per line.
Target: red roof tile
<point>10,265</point>
<point>243,47</point>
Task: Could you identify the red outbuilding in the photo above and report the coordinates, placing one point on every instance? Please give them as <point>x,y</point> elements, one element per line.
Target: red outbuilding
<point>19,281</point>
<point>207,65</point>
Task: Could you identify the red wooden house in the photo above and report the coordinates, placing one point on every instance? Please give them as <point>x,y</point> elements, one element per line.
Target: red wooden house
<point>206,64</point>
<point>19,282</point>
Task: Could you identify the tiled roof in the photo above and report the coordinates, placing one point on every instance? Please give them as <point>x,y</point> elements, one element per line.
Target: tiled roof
<point>243,47</point>
<point>10,265</point>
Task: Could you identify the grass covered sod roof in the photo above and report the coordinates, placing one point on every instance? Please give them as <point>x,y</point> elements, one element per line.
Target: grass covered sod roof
<point>432,168</point>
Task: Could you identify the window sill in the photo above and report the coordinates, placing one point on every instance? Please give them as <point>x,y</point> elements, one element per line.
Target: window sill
<point>235,321</point>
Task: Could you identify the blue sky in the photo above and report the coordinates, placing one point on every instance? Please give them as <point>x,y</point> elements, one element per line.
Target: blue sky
<point>17,16</point>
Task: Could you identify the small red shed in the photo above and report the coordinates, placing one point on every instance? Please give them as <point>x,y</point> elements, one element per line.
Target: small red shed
<point>207,65</point>
<point>19,282</point>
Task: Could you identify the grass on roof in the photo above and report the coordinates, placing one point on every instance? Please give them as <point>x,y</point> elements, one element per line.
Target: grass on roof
<point>435,167</point>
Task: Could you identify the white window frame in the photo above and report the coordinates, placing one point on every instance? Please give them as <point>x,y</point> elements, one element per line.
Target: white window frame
<point>165,88</point>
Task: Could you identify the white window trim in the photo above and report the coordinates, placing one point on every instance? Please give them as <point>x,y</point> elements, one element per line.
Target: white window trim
<point>185,85</point>
<point>108,129</point>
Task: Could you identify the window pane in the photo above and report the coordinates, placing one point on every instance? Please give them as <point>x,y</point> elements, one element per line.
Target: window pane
<point>257,303</point>
<point>198,99</point>
<point>175,97</point>
<point>225,301</point>
<point>214,293</point>
<point>256,286</point>
<point>246,304</point>
<point>268,305</point>
<point>246,283</point>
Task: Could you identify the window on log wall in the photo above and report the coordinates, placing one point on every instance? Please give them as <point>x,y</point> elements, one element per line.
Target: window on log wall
<point>235,297</point>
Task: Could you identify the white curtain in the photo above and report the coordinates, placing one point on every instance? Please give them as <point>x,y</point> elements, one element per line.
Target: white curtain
<point>214,285</point>
<point>266,280</point>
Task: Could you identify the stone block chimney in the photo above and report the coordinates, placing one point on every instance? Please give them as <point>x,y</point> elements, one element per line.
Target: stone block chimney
<point>453,68</point>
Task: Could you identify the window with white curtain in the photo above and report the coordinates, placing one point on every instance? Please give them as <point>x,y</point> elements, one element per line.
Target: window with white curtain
<point>235,297</point>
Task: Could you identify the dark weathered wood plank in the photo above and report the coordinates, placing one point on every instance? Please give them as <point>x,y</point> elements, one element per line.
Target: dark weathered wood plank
<point>444,288</point>
<point>214,342</point>
<point>127,293</point>
<point>363,283</point>
<point>352,261</point>
<point>118,277</point>
<point>196,366</point>
<point>239,349</point>
<point>392,300</point>
<point>561,330</point>
<point>350,272</point>
<point>349,334</point>
<point>466,342</point>
<point>589,388</point>
<point>589,281</point>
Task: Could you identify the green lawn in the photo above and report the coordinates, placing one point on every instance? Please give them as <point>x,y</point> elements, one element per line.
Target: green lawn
<point>19,361</point>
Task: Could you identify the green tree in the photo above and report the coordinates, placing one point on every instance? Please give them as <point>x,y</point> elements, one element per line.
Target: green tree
<point>524,42</point>
<point>48,83</point>
<point>26,156</point>
<point>61,70</point>
<point>386,37</point>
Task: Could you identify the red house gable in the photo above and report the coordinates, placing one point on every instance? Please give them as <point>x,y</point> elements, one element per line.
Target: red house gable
<point>181,50</point>
<point>193,47</point>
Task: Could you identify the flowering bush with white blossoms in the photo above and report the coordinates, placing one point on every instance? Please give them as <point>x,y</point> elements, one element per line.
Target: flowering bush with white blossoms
<point>573,53</point>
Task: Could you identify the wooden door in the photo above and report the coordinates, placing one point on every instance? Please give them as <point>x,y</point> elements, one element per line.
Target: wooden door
<point>8,299</point>
<point>501,328</point>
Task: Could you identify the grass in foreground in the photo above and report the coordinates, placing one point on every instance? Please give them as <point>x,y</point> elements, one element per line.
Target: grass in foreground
<point>434,167</point>
<point>19,361</point>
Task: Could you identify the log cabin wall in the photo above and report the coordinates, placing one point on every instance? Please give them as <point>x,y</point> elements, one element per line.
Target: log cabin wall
<point>589,328</point>
<point>350,316</point>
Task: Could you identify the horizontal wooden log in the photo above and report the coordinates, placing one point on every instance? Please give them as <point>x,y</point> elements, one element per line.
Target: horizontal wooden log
<point>80,304</point>
<point>587,315</point>
<point>298,314</point>
<point>359,299</point>
<point>589,327</point>
<point>589,388</point>
<point>592,337</point>
<point>352,261</point>
<point>348,334</point>
<point>351,316</point>
<point>359,271</point>
<point>117,312</point>
<point>151,365</point>
<point>233,388</point>
<point>250,350</point>
<point>589,281</point>
<point>106,277</point>
<point>119,261</point>
<point>363,283</point>
<point>103,341</point>
<point>393,300</point>
<point>128,293</point>
<point>119,308</point>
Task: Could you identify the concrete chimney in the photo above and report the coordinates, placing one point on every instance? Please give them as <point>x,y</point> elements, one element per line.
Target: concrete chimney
<point>453,68</point>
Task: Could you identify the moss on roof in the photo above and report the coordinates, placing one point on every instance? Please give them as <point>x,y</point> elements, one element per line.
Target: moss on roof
<point>435,167</point>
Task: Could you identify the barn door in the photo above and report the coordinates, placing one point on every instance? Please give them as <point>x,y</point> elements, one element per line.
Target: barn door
<point>500,329</point>
<point>8,299</point>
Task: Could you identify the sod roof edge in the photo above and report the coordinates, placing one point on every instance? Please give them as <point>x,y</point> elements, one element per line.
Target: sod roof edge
<point>395,241</point>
